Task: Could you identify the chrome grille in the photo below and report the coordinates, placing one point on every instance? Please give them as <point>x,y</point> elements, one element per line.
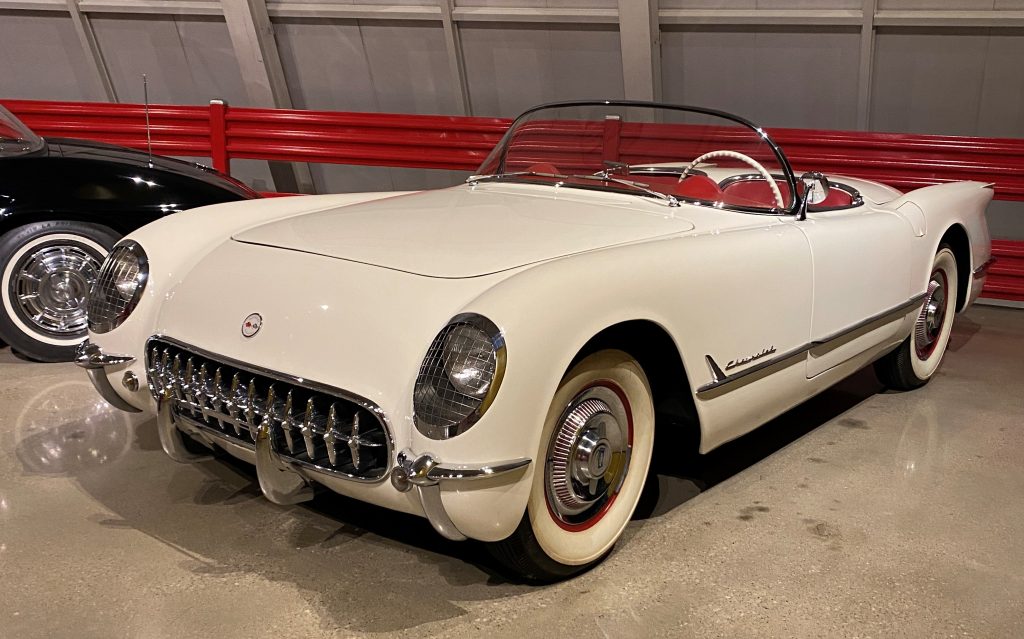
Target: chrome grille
<point>310,424</point>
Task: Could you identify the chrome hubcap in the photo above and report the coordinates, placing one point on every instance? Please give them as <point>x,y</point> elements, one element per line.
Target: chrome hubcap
<point>588,456</point>
<point>933,314</point>
<point>49,287</point>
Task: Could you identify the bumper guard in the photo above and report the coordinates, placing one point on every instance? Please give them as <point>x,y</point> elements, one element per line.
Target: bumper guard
<point>92,358</point>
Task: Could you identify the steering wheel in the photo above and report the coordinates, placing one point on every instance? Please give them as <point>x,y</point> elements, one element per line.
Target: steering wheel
<point>744,158</point>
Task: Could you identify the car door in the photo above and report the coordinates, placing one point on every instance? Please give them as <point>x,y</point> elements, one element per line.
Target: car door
<point>861,271</point>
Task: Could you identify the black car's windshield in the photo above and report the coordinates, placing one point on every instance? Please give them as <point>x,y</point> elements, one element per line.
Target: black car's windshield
<point>664,152</point>
<point>15,137</point>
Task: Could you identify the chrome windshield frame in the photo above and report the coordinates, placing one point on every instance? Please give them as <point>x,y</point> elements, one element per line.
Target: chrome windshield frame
<point>28,143</point>
<point>784,165</point>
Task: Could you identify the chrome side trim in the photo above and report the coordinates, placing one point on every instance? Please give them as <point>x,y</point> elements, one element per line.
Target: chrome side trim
<point>982,270</point>
<point>719,382</point>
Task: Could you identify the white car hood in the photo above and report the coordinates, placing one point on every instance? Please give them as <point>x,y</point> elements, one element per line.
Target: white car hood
<point>469,232</point>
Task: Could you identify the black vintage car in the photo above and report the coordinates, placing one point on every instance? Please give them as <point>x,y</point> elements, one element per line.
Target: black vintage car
<point>63,205</point>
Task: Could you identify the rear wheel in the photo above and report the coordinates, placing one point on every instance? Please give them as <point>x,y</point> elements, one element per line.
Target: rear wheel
<point>596,445</point>
<point>47,269</point>
<point>916,360</point>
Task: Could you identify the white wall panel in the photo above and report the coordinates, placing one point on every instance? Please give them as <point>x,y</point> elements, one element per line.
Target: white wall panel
<point>366,65</point>
<point>188,60</point>
<point>337,178</point>
<point>949,82</point>
<point>41,58</point>
<point>511,67</point>
<point>800,77</point>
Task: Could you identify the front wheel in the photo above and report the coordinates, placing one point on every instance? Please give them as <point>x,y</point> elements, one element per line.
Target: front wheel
<point>47,269</point>
<point>916,360</point>
<point>596,452</point>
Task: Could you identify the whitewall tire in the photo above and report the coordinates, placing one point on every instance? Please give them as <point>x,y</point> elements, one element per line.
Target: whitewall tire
<point>46,270</point>
<point>918,358</point>
<point>593,458</point>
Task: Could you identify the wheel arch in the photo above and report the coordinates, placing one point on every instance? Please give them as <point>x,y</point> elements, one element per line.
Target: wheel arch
<point>24,218</point>
<point>676,418</point>
<point>958,241</point>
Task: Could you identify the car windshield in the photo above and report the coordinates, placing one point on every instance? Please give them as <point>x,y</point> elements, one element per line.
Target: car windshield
<point>669,153</point>
<point>15,137</point>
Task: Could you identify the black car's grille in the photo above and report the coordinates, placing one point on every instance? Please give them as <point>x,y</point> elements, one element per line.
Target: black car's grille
<point>309,424</point>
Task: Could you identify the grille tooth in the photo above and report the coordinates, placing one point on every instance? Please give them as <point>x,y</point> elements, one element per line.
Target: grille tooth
<point>198,389</point>
<point>286,423</point>
<point>354,442</point>
<point>307,427</point>
<point>175,381</point>
<point>330,437</point>
<point>250,408</point>
<point>233,398</point>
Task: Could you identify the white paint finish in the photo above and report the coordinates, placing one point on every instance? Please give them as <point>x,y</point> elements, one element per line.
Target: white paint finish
<point>187,60</point>
<point>731,286</point>
<point>342,178</point>
<point>914,72</point>
<point>468,232</point>
<point>810,83</point>
<point>27,39</point>
<point>513,67</point>
<point>351,65</point>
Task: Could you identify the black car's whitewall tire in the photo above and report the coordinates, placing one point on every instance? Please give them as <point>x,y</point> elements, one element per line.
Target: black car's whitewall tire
<point>593,459</point>
<point>916,360</point>
<point>46,269</point>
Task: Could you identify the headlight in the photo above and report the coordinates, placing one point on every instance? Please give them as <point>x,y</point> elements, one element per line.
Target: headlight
<point>459,376</point>
<point>118,288</point>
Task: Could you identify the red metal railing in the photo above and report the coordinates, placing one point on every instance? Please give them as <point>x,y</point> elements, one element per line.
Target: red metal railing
<point>224,133</point>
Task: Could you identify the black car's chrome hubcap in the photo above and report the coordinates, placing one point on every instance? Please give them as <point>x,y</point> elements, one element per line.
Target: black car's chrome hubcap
<point>588,456</point>
<point>49,285</point>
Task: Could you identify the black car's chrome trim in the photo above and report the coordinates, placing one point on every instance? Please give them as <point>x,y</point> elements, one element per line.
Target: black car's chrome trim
<point>719,380</point>
<point>982,270</point>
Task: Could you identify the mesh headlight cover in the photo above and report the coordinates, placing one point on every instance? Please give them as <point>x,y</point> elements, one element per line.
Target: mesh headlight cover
<point>459,377</point>
<point>118,288</point>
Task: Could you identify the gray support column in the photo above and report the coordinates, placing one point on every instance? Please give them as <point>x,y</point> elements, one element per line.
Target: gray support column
<point>252,37</point>
<point>867,53</point>
<point>640,37</point>
<point>91,49</point>
<point>456,60</point>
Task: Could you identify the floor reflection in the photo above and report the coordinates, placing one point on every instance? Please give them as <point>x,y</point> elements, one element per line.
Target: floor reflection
<point>66,428</point>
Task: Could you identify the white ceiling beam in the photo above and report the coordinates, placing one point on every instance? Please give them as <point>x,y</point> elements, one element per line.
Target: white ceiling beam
<point>352,11</point>
<point>992,18</point>
<point>503,14</point>
<point>640,42</point>
<point>166,7</point>
<point>252,37</point>
<point>866,65</point>
<point>761,16</point>
<point>93,55</point>
<point>456,59</point>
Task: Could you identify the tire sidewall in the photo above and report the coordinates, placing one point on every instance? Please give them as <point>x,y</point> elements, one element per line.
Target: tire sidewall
<point>13,246</point>
<point>585,546</point>
<point>923,369</point>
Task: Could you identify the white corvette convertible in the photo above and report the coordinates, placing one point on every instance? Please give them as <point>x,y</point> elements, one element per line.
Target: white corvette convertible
<point>501,356</point>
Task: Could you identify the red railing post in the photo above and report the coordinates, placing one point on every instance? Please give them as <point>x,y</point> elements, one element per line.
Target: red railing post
<point>219,136</point>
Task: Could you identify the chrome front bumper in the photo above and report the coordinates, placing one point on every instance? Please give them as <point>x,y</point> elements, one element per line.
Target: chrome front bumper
<point>92,358</point>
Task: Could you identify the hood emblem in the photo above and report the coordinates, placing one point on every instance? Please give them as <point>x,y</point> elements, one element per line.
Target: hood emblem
<point>251,324</point>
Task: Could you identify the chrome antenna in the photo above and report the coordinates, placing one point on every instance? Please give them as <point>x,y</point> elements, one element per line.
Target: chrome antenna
<point>149,137</point>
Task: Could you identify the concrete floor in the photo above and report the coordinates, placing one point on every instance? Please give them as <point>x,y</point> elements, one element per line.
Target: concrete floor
<point>860,514</point>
